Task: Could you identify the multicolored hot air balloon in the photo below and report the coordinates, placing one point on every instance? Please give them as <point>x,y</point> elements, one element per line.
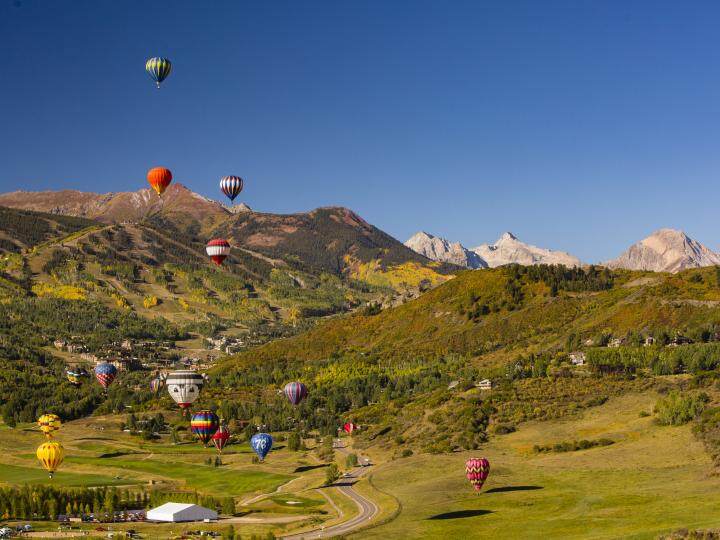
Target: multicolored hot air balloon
<point>349,427</point>
<point>49,424</point>
<point>477,470</point>
<point>261,443</point>
<point>221,437</point>
<point>204,424</point>
<point>50,454</point>
<point>158,68</point>
<point>73,377</point>
<point>295,392</point>
<point>105,374</point>
<point>231,186</point>
<point>184,387</point>
<point>218,250</point>
<point>156,384</point>
<point>159,179</point>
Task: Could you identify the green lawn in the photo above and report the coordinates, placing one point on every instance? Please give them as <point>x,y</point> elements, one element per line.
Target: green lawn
<point>222,481</point>
<point>12,474</point>
<point>653,479</point>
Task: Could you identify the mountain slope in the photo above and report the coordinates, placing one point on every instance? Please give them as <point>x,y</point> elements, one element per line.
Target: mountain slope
<point>177,203</point>
<point>508,250</point>
<point>331,239</point>
<point>666,250</point>
<point>497,313</point>
<point>334,240</point>
<point>440,249</point>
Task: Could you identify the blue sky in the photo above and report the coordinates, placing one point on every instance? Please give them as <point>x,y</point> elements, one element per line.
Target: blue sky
<point>577,125</point>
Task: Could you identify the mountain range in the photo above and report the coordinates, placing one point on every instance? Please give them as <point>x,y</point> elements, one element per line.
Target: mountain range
<point>506,250</point>
<point>665,250</point>
<point>335,239</point>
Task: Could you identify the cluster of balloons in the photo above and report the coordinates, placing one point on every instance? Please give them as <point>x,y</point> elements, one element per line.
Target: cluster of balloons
<point>160,178</point>
<point>50,453</point>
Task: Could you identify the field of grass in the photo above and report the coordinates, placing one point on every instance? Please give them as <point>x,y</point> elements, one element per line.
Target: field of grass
<point>653,479</point>
<point>14,474</point>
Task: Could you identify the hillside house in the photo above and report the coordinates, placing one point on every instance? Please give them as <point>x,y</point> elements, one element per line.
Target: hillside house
<point>577,358</point>
<point>126,364</point>
<point>615,342</point>
<point>485,384</point>
<point>649,341</point>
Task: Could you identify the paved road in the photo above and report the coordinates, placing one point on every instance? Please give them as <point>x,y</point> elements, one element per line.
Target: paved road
<point>367,508</point>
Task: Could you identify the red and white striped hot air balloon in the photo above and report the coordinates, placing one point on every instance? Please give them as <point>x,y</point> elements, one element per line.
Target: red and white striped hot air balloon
<point>477,471</point>
<point>218,249</point>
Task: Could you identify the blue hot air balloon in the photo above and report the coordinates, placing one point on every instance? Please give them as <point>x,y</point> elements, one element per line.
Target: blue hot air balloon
<point>261,443</point>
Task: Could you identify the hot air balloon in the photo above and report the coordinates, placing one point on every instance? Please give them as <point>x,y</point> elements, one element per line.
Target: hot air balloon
<point>295,392</point>
<point>349,427</point>
<point>204,424</point>
<point>73,377</point>
<point>156,384</point>
<point>158,69</point>
<point>221,437</point>
<point>105,374</point>
<point>184,387</point>
<point>159,179</point>
<point>50,454</point>
<point>218,249</point>
<point>477,470</point>
<point>261,443</point>
<point>231,186</point>
<point>49,424</point>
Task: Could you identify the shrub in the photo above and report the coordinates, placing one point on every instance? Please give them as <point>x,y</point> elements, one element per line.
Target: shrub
<point>677,409</point>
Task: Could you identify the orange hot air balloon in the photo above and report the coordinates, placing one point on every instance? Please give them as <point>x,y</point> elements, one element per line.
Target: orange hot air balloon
<point>159,178</point>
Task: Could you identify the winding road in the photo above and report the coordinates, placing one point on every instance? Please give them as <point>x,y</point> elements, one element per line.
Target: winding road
<point>367,508</point>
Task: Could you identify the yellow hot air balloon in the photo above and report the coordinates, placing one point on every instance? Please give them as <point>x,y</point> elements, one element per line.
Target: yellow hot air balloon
<point>49,423</point>
<point>51,455</point>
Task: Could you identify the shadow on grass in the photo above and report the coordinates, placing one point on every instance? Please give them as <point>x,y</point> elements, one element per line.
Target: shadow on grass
<point>513,488</point>
<point>460,514</point>
<point>306,468</point>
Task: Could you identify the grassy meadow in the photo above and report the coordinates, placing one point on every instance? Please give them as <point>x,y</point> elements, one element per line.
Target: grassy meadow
<point>653,479</point>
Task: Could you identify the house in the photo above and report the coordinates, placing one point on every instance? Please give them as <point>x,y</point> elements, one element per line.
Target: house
<point>649,341</point>
<point>453,384</point>
<point>181,512</point>
<point>60,344</point>
<point>485,384</point>
<point>577,358</point>
<point>615,342</point>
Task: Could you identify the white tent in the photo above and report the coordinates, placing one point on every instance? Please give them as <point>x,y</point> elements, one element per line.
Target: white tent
<point>176,512</point>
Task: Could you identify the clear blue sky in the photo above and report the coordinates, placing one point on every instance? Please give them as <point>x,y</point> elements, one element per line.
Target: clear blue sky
<point>578,125</point>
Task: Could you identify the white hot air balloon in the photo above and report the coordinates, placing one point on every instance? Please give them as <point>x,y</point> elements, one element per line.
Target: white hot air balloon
<point>184,387</point>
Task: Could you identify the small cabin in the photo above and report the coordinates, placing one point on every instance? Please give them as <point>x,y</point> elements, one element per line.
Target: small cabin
<point>577,358</point>
<point>485,384</point>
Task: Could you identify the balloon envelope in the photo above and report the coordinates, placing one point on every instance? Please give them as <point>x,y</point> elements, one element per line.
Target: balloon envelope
<point>477,471</point>
<point>184,387</point>
<point>159,179</point>
<point>221,437</point>
<point>231,186</point>
<point>295,392</point>
<point>204,424</point>
<point>49,423</point>
<point>349,427</point>
<point>50,454</point>
<point>218,250</point>
<point>105,373</point>
<point>158,68</point>
<point>261,443</point>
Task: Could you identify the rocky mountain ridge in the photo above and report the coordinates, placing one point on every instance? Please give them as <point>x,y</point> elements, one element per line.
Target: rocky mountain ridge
<point>506,250</point>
